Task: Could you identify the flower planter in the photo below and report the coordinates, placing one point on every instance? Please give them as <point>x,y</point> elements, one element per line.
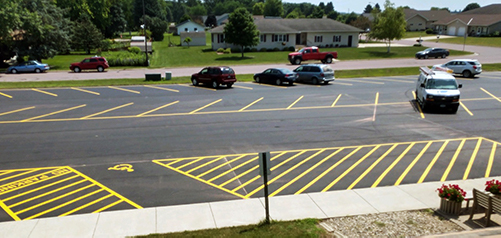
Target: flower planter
<point>450,207</point>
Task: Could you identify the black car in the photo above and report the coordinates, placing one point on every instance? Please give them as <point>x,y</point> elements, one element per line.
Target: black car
<point>432,52</point>
<point>276,76</point>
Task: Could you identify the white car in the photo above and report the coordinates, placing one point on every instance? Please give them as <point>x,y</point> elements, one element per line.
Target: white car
<point>466,67</point>
<point>437,89</point>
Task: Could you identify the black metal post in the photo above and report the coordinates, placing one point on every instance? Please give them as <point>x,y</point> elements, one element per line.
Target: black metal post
<point>265,177</point>
<point>145,37</point>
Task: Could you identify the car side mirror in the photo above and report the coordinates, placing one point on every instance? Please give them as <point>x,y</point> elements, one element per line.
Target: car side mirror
<point>460,85</point>
<point>422,85</point>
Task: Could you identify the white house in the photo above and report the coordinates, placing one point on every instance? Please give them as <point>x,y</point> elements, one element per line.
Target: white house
<point>480,21</point>
<point>284,33</point>
<point>189,26</point>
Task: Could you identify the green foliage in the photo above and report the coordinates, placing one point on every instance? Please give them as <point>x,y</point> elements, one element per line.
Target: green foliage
<point>389,25</point>
<point>187,40</point>
<point>263,50</point>
<point>117,21</point>
<point>273,8</point>
<point>108,44</point>
<point>124,58</point>
<point>471,6</point>
<point>134,49</point>
<point>148,33</point>
<point>317,13</point>
<point>241,30</point>
<point>220,50</point>
<point>429,31</point>
<point>85,35</point>
<point>157,27</point>
<point>152,9</point>
<point>258,8</point>
<point>198,10</point>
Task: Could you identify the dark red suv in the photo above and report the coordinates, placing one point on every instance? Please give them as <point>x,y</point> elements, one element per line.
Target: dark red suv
<point>99,63</point>
<point>215,76</point>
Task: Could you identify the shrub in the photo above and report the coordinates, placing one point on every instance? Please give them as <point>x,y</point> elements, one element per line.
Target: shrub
<point>220,50</point>
<point>124,58</point>
<point>292,49</point>
<point>135,50</point>
<point>276,49</point>
<point>263,50</point>
<point>254,50</point>
<point>430,31</point>
<point>227,51</point>
<point>416,45</point>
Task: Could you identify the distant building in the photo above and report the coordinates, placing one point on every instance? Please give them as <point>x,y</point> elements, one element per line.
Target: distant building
<point>189,26</point>
<point>422,20</point>
<point>482,21</point>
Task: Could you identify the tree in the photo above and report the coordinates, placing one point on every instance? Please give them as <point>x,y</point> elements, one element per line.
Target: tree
<point>273,8</point>
<point>368,9</point>
<point>85,35</point>
<point>152,8</point>
<point>184,18</point>
<point>198,10</point>
<point>258,8</point>
<point>333,15</point>
<point>389,24</point>
<point>329,7</point>
<point>211,21</point>
<point>318,12</point>
<point>241,30</point>
<point>157,27</point>
<point>187,40</point>
<point>377,8</point>
<point>117,21</point>
<point>471,6</point>
<point>362,23</point>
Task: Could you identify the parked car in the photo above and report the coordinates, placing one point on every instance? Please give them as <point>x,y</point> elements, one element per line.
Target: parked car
<point>28,66</point>
<point>276,76</point>
<point>215,76</point>
<point>432,52</point>
<point>466,67</point>
<point>99,63</point>
<point>315,73</point>
<point>311,53</point>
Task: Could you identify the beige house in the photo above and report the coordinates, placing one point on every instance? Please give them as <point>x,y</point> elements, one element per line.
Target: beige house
<point>422,20</point>
<point>481,21</point>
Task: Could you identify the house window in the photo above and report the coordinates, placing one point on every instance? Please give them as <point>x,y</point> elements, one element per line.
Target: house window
<point>280,38</point>
<point>420,24</point>
<point>185,29</point>
<point>318,38</point>
<point>263,38</point>
<point>220,38</point>
<point>196,30</point>
<point>336,39</point>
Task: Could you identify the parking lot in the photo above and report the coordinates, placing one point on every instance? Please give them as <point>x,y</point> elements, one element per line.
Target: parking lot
<point>143,146</point>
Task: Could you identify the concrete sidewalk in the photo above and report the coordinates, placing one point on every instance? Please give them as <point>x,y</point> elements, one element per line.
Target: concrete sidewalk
<point>240,212</point>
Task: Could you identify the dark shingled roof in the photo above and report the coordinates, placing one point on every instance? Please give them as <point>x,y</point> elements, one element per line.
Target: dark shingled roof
<point>432,15</point>
<point>297,26</point>
<point>484,16</point>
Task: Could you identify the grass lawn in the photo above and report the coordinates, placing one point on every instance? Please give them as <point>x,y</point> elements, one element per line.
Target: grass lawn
<point>481,41</point>
<point>414,34</point>
<point>297,228</point>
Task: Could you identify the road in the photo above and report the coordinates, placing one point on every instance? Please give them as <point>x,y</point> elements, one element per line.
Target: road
<point>80,150</point>
<point>483,54</point>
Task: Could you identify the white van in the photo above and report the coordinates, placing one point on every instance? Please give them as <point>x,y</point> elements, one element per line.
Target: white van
<point>437,89</point>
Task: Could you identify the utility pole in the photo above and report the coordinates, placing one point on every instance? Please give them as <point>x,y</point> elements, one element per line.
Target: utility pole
<point>145,38</point>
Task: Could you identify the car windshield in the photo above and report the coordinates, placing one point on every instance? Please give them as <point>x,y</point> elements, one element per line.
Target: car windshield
<point>301,50</point>
<point>227,71</point>
<point>441,84</point>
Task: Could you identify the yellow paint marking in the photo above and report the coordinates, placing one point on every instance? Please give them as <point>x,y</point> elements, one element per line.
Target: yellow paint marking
<point>158,108</point>
<point>490,94</point>
<point>41,91</point>
<point>252,103</point>
<point>275,177</point>
<point>375,106</point>
<point>191,86</point>
<point>40,188</point>
<point>124,89</point>
<point>419,109</point>
<point>337,99</point>
<point>414,95</point>
<point>249,88</point>
<point>453,160</point>
<point>312,168</point>
<point>390,80</point>
<point>86,205</point>
<point>3,188</point>
<point>350,169</point>
<point>5,95</point>
<point>294,103</point>
<point>221,165</point>
<point>18,110</point>
<point>53,113</point>
<point>32,198</point>
<point>347,84</point>
<point>433,161</point>
<point>371,167</point>
<point>85,91</point>
<point>106,207</point>
<point>271,85</point>
<point>208,105</point>
<point>166,89</point>
<point>472,159</point>
<point>491,161</point>
<point>192,162</point>
<point>360,81</point>
<point>331,168</point>
<point>108,110</point>
<point>121,167</point>
<point>232,169</point>
<point>248,171</point>
<point>11,214</point>
<point>63,205</point>
<point>107,189</point>
<point>395,162</point>
<point>205,164</point>
<point>465,108</point>
<point>289,170</point>
<point>200,180</point>
<point>402,176</point>
<point>54,199</point>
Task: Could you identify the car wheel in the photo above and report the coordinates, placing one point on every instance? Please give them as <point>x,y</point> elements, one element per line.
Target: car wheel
<point>297,61</point>
<point>426,57</point>
<point>326,82</point>
<point>423,106</point>
<point>443,56</point>
<point>100,69</point>
<point>291,83</point>
<point>328,60</point>
<point>418,57</point>
<point>257,79</point>
<point>77,70</point>
<point>454,110</point>
<point>13,71</point>
<point>278,82</point>
<point>323,61</point>
<point>314,81</point>
<point>228,85</point>
<point>37,70</point>
<point>467,74</point>
<point>194,82</point>
<point>215,84</point>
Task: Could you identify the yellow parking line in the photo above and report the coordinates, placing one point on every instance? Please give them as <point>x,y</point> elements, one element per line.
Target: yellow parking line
<point>360,81</point>
<point>221,165</point>
<point>53,113</point>
<point>248,171</point>
<point>453,161</point>
<point>313,167</point>
<point>106,207</point>
<point>40,188</point>
<point>230,170</point>
<point>5,95</point>
<point>85,91</point>
<point>335,101</point>
<point>433,161</point>
<point>108,110</point>
<point>158,108</point>
<point>208,105</point>
<point>47,193</point>
<point>472,159</point>
<point>205,164</point>
<point>375,106</point>
<point>191,86</point>
<point>21,174</point>
<point>11,214</point>
<point>490,94</point>
<point>252,103</point>
<point>41,91</point>
<point>297,100</point>
<point>166,89</point>
<point>124,89</point>
<point>237,86</point>
<point>371,167</point>
<point>86,205</point>
<point>18,110</point>
<point>491,160</point>
<point>465,108</point>
<point>402,176</point>
<point>347,84</point>
<point>392,165</point>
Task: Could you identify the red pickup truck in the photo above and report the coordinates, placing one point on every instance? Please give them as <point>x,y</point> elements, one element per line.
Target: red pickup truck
<point>311,53</point>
